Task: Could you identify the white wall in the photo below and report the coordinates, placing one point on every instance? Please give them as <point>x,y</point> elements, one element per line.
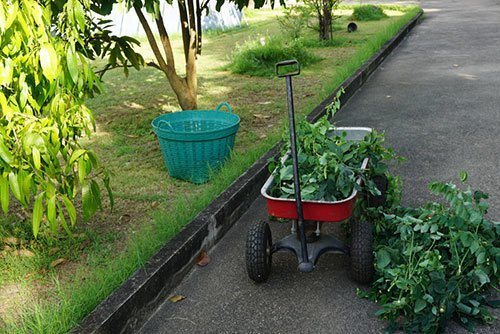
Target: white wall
<point>127,23</point>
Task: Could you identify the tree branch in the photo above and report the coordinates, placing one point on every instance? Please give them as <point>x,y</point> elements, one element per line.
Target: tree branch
<point>184,26</point>
<point>192,24</point>
<point>151,39</point>
<point>199,30</point>
<point>165,41</point>
<point>191,79</point>
<point>155,65</point>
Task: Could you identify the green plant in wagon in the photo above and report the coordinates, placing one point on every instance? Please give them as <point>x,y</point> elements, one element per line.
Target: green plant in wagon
<point>330,164</point>
<point>44,79</point>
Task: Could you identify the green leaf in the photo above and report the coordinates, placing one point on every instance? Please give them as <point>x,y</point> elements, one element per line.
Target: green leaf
<point>463,176</point>
<point>72,61</point>
<point>383,258</point>
<point>4,193</point>
<point>49,61</point>
<point>480,258</point>
<point>87,202</point>
<point>70,208</point>
<point>474,246</point>
<point>428,298</point>
<point>26,187</point>
<point>483,278</point>
<point>75,155</point>
<point>5,153</point>
<point>51,212</point>
<point>96,194</point>
<point>81,170</point>
<point>79,14</point>
<point>36,157</point>
<point>62,219</point>
<point>110,192</point>
<point>37,214</point>
<point>14,186</point>
<point>419,305</point>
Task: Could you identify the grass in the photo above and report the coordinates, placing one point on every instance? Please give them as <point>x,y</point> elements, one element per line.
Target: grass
<point>368,13</point>
<point>151,207</point>
<point>258,57</point>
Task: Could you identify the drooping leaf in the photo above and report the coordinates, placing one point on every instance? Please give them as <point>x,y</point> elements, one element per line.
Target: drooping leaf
<point>36,157</point>
<point>15,186</point>
<point>70,208</point>
<point>37,214</point>
<point>88,205</point>
<point>49,61</point>
<point>72,62</point>
<point>51,212</point>
<point>5,153</point>
<point>4,193</point>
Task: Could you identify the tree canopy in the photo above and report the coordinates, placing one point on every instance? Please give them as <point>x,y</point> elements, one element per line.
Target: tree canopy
<point>190,12</point>
<point>44,79</point>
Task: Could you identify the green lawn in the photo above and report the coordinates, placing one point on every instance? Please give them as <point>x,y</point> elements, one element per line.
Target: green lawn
<point>39,296</point>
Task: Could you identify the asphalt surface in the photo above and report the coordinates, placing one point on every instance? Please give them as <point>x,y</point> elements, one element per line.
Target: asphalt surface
<point>438,99</point>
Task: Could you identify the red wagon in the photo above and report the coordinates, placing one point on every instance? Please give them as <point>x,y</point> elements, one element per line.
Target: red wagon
<point>306,240</point>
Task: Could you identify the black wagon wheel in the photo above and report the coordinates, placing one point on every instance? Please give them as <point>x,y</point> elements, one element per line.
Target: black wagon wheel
<point>382,184</point>
<point>259,251</point>
<point>362,269</point>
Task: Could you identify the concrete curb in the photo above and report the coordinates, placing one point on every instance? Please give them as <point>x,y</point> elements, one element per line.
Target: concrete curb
<point>125,310</point>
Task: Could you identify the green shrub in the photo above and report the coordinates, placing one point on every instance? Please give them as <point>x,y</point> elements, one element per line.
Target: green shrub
<point>258,57</point>
<point>436,262</point>
<point>368,13</point>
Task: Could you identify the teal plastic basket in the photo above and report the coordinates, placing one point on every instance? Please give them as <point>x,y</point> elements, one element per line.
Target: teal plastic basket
<point>193,142</point>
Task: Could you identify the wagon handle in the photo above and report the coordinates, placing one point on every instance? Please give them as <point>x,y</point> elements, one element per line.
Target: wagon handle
<point>164,122</point>
<point>222,105</point>
<point>288,63</point>
<point>305,265</point>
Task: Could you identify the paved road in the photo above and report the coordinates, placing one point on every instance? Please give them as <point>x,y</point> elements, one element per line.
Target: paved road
<point>438,98</point>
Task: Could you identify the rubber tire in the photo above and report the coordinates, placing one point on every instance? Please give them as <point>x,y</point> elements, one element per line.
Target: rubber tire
<point>362,257</point>
<point>375,201</point>
<point>258,251</point>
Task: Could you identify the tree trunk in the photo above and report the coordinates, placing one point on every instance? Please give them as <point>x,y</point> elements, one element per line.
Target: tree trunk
<point>325,21</point>
<point>184,88</point>
<point>186,96</point>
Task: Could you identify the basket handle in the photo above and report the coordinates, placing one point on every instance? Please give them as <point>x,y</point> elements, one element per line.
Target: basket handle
<point>160,123</point>
<point>224,104</point>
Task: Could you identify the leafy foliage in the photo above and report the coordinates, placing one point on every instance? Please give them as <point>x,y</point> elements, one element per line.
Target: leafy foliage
<point>95,35</point>
<point>368,13</point>
<point>295,20</point>
<point>44,78</point>
<point>437,262</point>
<point>322,12</point>
<point>329,164</point>
<point>258,57</point>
